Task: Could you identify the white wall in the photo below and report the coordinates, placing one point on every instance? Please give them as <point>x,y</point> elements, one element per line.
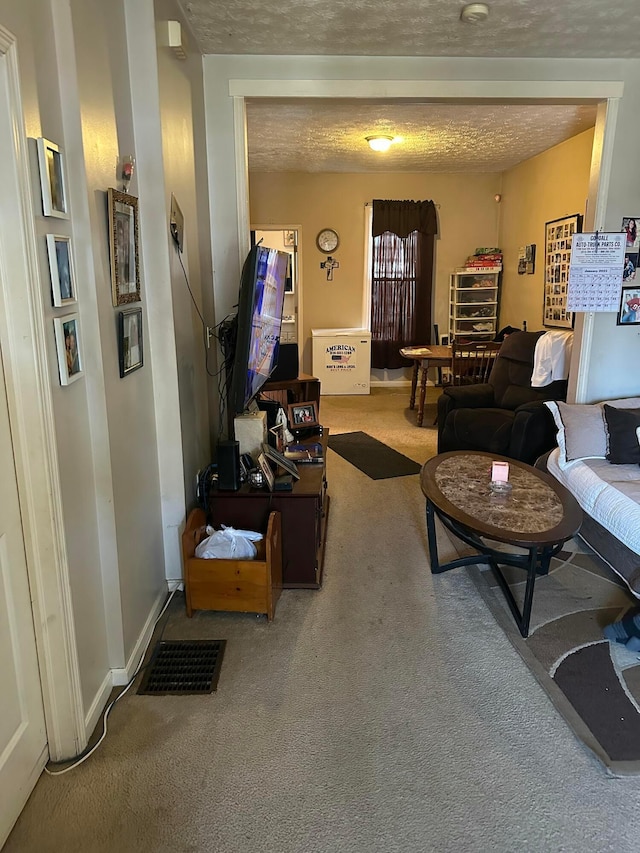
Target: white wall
<point>229,76</point>
<point>46,101</point>
<point>180,82</point>
<point>88,75</point>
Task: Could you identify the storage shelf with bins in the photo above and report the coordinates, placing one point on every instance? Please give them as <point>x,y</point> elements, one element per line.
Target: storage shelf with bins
<point>474,300</point>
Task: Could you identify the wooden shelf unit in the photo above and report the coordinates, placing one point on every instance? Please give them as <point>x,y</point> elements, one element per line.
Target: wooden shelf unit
<point>474,303</point>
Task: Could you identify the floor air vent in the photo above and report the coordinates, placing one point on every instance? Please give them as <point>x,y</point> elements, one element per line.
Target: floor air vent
<point>182,667</point>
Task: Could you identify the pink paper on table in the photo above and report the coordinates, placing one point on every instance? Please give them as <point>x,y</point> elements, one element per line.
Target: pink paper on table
<point>499,472</point>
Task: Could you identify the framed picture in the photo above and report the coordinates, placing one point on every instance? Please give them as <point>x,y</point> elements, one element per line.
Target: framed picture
<point>289,238</point>
<point>303,415</point>
<point>557,256</point>
<point>123,244</point>
<point>631,227</point>
<point>629,313</point>
<point>267,470</point>
<point>68,347</point>
<point>130,340</point>
<point>275,456</point>
<point>277,432</point>
<point>52,179</point>
<point>63,285</point>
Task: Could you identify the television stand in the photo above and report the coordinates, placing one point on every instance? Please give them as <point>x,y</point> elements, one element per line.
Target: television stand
<point>304,512</point>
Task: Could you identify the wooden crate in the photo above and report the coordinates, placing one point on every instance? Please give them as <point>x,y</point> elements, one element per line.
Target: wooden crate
<point>245,586</point>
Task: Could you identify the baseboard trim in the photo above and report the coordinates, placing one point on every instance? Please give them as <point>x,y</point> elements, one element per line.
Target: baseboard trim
<point>122,675</point>
<point>390,383</point>
<point>98,705</point>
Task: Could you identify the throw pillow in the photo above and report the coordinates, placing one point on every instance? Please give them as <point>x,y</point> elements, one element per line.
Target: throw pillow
<point>622,425</point>
<point>582,433</point>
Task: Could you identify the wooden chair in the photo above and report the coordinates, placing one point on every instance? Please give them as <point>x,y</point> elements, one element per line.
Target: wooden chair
<point>471,363</point>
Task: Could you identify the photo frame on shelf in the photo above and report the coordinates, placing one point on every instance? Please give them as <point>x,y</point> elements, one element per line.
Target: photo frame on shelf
<point>557,257</point>
<point>123,246</point>
<point>277,440</point>
<point>629,313</point>
<point>267,470</point>
<point>68,348</point>
<point>130,352</point>
<point>52,179</point>
<point>303,415</point>
<point>63,284</point>
<point>279,459</point>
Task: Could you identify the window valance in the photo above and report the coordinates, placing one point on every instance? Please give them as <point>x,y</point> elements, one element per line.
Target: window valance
<point>404,217</point>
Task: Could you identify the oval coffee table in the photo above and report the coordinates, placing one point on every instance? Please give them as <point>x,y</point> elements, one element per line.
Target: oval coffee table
<point>537,515</point>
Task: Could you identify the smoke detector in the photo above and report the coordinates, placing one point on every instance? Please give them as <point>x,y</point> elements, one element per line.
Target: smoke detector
<point>475,13</point>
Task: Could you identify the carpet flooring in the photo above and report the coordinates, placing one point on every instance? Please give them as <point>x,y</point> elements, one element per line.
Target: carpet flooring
<point>385,712</point>
<point>593,683</point>
<point>374,458</point>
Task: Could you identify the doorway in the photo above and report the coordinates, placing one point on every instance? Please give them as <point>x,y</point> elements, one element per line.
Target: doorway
<point>285,239</point>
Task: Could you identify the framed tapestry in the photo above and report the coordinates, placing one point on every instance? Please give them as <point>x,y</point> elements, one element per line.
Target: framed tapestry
<point>557,256</point>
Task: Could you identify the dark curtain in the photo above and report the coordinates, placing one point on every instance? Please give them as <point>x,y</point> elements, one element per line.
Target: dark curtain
<point>402,278</point>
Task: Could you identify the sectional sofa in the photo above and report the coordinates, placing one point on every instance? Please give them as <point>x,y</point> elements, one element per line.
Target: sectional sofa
<point>597,459</point>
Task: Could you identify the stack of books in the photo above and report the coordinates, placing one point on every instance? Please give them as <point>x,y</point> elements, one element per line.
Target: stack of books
<point>303,453</point>
<point>484,259</point>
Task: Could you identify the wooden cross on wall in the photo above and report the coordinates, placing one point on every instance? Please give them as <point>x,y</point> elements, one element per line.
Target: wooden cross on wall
<point>329,265</point>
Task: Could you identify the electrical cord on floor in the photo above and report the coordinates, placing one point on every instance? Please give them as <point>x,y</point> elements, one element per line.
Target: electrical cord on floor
<point>78,760</point>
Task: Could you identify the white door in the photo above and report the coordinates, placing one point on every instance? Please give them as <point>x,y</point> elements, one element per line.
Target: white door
<point>23,746</point>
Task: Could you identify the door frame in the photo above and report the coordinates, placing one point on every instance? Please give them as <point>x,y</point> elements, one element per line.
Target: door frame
<point>606,93</point>
<point>30,402</point>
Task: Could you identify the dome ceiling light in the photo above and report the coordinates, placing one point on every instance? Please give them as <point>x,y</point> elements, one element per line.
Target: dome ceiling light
<point>380,143</point>
<point>474,13</point>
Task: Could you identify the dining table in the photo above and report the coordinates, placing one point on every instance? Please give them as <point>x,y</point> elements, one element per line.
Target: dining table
<point>424,357</point>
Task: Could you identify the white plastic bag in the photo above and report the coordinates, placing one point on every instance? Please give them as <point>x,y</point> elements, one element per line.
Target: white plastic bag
<point>228,544</point>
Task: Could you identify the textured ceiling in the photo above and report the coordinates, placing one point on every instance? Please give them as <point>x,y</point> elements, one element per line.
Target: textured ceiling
<point>545,28</point>
<point>329,136</point>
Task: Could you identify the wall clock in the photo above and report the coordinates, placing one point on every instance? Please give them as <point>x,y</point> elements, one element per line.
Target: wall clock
<point>327,240</point>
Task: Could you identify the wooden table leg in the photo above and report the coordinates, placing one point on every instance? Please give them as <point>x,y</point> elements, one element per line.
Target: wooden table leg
<point>423,391</point>
<point>414,384</point>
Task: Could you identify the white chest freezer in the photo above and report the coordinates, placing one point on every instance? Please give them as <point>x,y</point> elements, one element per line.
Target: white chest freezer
<point>341,360</point>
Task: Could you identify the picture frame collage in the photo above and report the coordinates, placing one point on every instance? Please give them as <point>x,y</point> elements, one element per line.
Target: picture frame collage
<point>629,311</point>
<point>59,252</point>
<point>557,258</point>
<point>122,217</point>
<point>125,278</point>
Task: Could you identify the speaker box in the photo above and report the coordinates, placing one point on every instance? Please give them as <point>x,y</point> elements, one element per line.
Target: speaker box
<point>229,465</point>
<point>287,366</point>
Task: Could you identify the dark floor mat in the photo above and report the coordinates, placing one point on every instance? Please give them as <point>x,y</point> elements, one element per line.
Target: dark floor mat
<point>371,456</point>
<point>183,667</point>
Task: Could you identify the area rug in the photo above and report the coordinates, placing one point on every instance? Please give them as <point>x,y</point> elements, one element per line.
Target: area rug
<point>593,683</point>
<point>372,457</point>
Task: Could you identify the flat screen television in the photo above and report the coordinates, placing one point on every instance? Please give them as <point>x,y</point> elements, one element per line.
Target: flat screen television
<point>258,324</point>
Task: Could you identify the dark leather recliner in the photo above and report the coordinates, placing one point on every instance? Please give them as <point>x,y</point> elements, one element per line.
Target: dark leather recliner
<point>506,416</point>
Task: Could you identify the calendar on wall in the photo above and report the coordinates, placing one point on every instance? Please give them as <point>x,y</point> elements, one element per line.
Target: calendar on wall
<point>557,258</point>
